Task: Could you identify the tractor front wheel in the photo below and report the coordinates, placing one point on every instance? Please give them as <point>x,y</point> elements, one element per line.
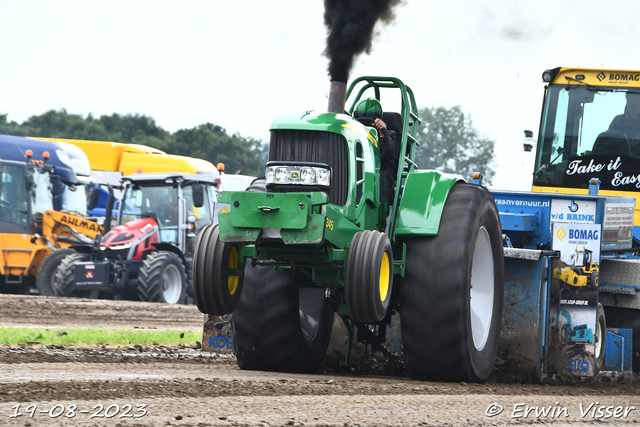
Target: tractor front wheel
<point>451,298</point>
<point>369,276</point>
<point>282,323</point>
<point>162,278</point>
<point>65,278</point>
<point>215,291</point>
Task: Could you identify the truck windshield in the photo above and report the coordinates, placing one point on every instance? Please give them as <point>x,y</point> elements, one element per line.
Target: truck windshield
<point>74,199</point>
<point>13,195</point>
<point>589,132</point>
<point>157,202</point>
<point>41,196</point>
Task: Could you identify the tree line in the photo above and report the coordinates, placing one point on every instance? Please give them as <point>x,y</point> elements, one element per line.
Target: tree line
<point>448,140</point>
<point>208,141</point>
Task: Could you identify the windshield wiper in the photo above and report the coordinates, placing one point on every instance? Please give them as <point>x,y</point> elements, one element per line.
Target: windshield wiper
<point>552,162</point>
<point>581,83</point>
<point>592,88</point>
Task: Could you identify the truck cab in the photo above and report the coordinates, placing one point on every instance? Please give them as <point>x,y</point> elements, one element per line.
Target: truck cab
<point>25,197</point>
<point>70,174</point>
<point>587,132</point>
<point>61,223</point>
<point>571,245</point>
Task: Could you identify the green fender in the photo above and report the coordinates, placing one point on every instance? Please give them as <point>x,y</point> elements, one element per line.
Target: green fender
<point>423,198</point>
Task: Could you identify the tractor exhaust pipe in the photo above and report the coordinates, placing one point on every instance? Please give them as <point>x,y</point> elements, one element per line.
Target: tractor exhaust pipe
<point>337,95</point>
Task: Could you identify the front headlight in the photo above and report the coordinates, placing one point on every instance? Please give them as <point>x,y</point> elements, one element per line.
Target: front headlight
<point>290,173</point>
<point>282,175</point>
<point>120,247</point>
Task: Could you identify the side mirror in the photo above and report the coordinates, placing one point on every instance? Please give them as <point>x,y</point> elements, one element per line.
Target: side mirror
<point>28,178</point>
<point>198,195</point>
<point>94,195</point>
<point>529,142</point>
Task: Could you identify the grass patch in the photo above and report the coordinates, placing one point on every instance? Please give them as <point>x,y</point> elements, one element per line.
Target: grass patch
<point>95,336</point>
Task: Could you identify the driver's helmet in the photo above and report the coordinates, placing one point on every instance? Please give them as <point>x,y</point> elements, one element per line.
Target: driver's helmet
<point>369,107</point>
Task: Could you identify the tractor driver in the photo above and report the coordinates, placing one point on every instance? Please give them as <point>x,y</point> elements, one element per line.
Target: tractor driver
<point>369,113</point>
<point>163,204</point>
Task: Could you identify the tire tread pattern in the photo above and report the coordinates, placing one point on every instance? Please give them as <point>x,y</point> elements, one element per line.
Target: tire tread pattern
<point>266,324</point>
<point>434,297</point>
<point>150,276</point>
<point>47,271</point>
<point>362,276</point>
<point>210,274</point>
<point>65,276</point>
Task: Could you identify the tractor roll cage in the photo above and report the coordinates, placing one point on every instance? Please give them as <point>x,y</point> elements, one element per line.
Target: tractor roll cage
<point>409,131</point>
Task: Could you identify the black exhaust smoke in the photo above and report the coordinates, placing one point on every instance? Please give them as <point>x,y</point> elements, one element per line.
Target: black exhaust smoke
<point>350,25</point>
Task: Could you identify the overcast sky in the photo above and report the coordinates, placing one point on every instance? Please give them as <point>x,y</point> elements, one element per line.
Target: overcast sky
<point>240,64</point>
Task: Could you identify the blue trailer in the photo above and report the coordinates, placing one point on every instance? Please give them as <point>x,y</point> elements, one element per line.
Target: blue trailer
<point>572,245</point>
<point>561,252</point>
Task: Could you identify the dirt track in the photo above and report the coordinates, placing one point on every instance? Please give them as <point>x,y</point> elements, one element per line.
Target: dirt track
<point>188,387</point>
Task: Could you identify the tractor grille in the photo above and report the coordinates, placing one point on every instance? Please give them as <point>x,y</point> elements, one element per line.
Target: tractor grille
<point>314,146</point>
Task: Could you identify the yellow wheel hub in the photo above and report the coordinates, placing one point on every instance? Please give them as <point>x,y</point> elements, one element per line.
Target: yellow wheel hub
<point>384,277</point>
<point>233,263</point>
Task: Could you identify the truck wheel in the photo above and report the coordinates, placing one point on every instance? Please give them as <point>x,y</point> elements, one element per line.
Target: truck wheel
<point>369,276</point>
<point>65,277</point>
<point>215,291</point>
<point>162,278</point>
<point>282,323</point>
<point>452,295</point>
<point>600,336</point>
<point>47,271</point>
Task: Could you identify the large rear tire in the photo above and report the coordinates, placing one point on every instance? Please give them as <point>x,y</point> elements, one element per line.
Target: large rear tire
<point>279,325</point>
<point>162,278</point>
<point>47,272</point>
<point>452,295</point>
<point>215,291</point>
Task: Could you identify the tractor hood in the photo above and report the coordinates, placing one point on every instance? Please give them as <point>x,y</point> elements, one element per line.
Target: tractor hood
<point>129,236</point>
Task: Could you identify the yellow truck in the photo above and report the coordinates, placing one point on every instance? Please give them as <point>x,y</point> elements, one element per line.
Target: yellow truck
<point>126,159</point>
<point>110,161</point>
<point>43,205</point>
<point>591,130</point>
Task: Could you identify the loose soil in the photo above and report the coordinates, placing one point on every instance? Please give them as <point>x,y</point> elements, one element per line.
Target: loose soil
<point>185,386</point>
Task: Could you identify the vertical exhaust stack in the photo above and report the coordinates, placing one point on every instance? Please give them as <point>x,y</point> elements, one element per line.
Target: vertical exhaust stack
<point>337,95</point>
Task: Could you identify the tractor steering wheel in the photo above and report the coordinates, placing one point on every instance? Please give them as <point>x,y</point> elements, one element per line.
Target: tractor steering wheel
<point>367,121</point>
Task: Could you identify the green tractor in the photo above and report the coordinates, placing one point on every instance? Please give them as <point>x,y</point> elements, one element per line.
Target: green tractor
<point>319,242</point>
